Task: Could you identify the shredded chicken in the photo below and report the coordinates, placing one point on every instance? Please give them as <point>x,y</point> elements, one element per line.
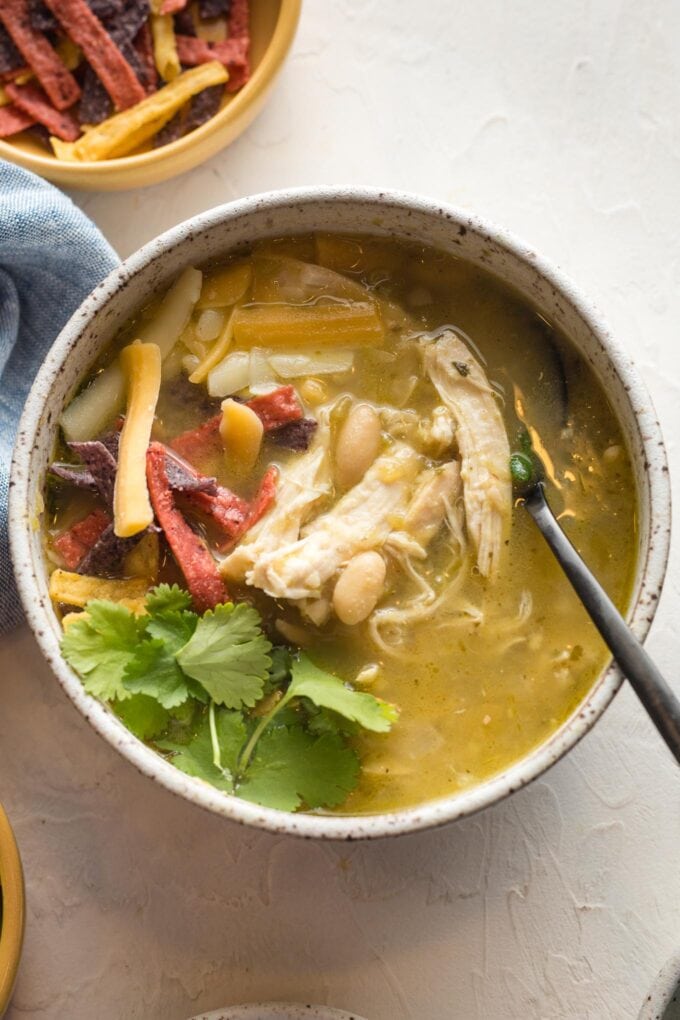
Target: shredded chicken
<point>482,444</point>
<point>434,501</point>
<point>361,520</point>
<point>303,483</point>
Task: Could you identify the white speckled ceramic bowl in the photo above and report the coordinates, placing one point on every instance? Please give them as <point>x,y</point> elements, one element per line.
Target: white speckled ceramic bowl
<point>277,1011</point>
<point>214,234</point>
<point>663,1001</point>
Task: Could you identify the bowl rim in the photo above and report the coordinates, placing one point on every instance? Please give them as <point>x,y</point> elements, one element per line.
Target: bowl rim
<point>664,988</point>
<point>263,76</point>
<point>13,914</point>
<point>432,813</point>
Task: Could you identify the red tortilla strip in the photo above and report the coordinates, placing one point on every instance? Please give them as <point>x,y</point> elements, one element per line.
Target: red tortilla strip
<point>109,64</point>
<point>192,555</point>
<point>238,23</point>
<point>35,103</point>
<point>13,120</point>
<point>233,53</point>
<point>197,444</point>
<point>276,408</point>
<point>55,78</point>
<point>76,541</point>
<point>226,510</point>
<point>173,6</point>
<point>265,496</point>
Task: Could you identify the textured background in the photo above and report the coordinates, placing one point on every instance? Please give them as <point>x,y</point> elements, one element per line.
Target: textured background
<point>558,120</point>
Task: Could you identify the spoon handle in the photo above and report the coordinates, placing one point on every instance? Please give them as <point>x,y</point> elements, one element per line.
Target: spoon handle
<point>649,685</point>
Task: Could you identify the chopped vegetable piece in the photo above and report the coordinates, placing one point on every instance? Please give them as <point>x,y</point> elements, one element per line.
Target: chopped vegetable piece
<point>229,655</point>
<point>13,120</point>
<point>241,431</point>
<point>164,44</point>
<point>113,70</point>
<point>355,324</point>
<point>78,589</point>
<point>73,543</point>
<point>191,553</point>
<point>295,435</point>
<point>293,364</point>
<point>123,132</point>
<point>226,287</point>
<point>231,375</point>
<point>216,353</point>
<point>131,506</point>
<point>49,69</point>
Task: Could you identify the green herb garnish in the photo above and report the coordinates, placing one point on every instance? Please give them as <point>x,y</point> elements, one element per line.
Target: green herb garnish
<point>213,694</point>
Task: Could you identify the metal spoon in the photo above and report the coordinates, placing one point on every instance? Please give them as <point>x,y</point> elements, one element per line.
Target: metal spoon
<point>649,685</point>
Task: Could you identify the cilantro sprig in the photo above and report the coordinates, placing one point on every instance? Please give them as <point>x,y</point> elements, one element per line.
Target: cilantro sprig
<point>225,706</point>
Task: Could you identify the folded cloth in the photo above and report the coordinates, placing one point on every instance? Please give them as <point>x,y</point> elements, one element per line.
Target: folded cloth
<point>51,257</point>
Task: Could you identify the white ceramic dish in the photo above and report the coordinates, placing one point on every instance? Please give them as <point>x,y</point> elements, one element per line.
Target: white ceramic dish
<point>663,1001</point>
<point>277,1011</point>
<point>215,233</point>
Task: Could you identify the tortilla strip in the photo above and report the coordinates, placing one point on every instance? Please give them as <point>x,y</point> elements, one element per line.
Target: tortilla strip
<point>164,46</point>
<point>111,67</point>
<point>230,52</point>
<point>13,120</point>
<point>125,131</point>
<point>55,78</point>
<point>35,104</point>
<point>172,6</point>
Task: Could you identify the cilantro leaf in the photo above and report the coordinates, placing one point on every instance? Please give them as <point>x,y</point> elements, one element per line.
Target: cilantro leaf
<point>327,691</point>
<point>154,670</point>
<point>143,716</point>
<point>196,757</point>
<point>229,655</point>
<point>291,767</point>
<point>165,597</point>
<point>100,647</point>
<point>279,671</point>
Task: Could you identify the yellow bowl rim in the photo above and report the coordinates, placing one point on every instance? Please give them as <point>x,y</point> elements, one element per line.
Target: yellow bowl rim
<point>262,78</point>
<point>13,912</point>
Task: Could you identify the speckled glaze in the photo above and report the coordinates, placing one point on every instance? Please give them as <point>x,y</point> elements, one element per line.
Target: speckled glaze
<point>214,234</point>
<point>663,1001</point>
<point>277,1011</point>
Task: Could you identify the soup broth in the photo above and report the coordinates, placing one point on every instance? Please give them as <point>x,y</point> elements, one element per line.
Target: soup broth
<point>483,664</point>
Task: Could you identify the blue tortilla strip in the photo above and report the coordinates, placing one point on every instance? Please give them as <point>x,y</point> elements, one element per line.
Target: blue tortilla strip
<point>184,479</point>
<point>196,112</point>
<point>41,18</point>
<point>10,58</point>
<point>105,558</point>
<point>95,103</point>
<point>184,23</point>
<point>101,463</point>
<point>81,478</point>
<point>133,15</point>
<point>213,8</point>
<point>294,435</point>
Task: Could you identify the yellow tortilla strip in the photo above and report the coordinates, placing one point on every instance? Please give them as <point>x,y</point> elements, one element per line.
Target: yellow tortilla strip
<point>164,44</point>
<point>125,131</point>
<point>79,589</point>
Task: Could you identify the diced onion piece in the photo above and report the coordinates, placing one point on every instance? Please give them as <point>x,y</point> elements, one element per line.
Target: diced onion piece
<point>261,373</point>
<point>230,376</point>
<point>225,287</point>
<point>174,312</point>
<point>308,325</point>
<point>132,510</point>
<point>143,560</point>
<point>282,279</point>
<point>209,325</point>
<point>215,355</point>
<point>296,363</point>
<point>190,363</point>
<point>241,431</point>
<point>93,408</point>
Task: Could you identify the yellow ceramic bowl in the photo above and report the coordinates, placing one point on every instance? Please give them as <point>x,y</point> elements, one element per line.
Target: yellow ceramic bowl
<point>12,922</point>
<point>272,29</point>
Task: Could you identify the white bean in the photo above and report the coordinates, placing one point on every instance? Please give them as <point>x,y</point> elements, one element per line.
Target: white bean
<point>357,445</point>
<point>359,587</point>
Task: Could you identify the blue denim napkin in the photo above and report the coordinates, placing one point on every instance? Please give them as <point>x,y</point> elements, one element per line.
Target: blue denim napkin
<point>51,257</point>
